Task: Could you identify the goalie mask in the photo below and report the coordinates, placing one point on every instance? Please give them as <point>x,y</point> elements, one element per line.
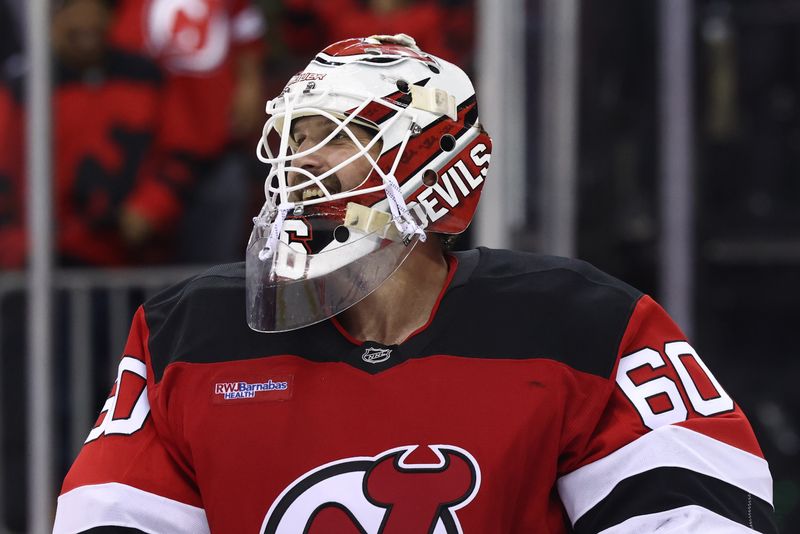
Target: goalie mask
<point>373,145</point>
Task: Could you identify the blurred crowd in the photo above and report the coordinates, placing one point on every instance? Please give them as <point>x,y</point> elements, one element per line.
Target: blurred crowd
<point>157,107</point>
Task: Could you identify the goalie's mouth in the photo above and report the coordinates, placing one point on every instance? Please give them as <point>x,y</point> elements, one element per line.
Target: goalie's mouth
<point>313,191</point>
<point>310,193</point>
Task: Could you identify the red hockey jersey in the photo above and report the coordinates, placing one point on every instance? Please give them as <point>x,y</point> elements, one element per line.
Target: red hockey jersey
<point>542,396</point>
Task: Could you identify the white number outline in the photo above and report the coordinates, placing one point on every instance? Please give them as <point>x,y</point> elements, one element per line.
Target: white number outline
<point>135,421</point>
<point>719,404</point>
<point>638,394</point>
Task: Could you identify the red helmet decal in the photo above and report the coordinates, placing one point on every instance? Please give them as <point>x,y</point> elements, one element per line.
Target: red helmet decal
<point>360,47</point>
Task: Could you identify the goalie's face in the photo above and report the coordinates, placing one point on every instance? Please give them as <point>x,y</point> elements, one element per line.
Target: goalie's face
<point>325,252</point>
<point>307,136</point>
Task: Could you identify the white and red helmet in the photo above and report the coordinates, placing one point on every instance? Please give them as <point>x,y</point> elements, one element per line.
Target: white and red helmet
<point>309,260</point>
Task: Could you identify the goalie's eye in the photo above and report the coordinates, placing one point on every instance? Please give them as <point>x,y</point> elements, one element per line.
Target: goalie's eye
<point>341,137</point>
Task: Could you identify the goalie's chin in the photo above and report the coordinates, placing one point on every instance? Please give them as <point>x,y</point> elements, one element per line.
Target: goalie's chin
<point>292,289</point>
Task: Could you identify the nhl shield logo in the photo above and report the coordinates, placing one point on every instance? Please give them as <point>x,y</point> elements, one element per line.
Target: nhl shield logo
<point>373,355</point>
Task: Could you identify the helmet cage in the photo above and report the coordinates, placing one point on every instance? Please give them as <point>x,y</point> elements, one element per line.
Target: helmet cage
<point>277,188</point>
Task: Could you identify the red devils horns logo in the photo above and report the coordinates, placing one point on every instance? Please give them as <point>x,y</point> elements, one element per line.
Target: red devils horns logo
<point>379,495</point>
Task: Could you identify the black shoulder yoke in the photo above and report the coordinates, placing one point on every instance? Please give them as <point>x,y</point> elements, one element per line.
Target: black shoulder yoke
<point>202,320</point>
<point>501,304</point>
<point>524,305</point>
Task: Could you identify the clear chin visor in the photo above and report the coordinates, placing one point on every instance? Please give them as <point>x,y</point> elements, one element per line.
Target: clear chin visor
<point>291,288</point>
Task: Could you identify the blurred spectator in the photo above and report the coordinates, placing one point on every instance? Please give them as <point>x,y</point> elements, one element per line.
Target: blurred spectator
<point>211,52</point>
<point>10,37</point>
<point>105,106</point>
<point>441,27</point>
<point>12,234</point>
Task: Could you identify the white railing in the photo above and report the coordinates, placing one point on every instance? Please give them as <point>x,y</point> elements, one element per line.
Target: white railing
<point>76,295</point>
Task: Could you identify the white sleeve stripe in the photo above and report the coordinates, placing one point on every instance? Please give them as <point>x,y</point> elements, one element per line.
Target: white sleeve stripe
<point>115,504</point>
<point>684,520</point>
<point>668,446</point>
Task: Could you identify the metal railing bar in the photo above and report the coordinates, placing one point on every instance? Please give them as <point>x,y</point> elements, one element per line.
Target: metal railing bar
<point>119,319</point>
<point>41,446</point>
<point>125,278</point>
<point>80,372</point>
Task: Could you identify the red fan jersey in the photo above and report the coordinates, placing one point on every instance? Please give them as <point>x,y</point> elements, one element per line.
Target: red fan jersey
<point>104,130</point>
<point>104,124</point>
<point>542,396</point>
<point>12,195</point>
<point>445,31</point>
<point>197,42</point>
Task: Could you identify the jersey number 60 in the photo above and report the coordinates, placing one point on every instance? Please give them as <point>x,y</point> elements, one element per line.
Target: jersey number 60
<point>640,393</point>
<point>128,416</point>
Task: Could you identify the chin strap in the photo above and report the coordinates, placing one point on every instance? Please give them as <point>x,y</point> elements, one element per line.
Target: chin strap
<point>403,220</point>
<point>274,231</point>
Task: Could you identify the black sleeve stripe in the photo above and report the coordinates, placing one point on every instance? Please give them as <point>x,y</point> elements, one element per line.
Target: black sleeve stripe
<point>113,530</point>
<point>667,488</point>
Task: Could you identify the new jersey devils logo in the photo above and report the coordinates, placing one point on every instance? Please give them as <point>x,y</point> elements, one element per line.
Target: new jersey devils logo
<point>188,35</point>
<point>379,495</point>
